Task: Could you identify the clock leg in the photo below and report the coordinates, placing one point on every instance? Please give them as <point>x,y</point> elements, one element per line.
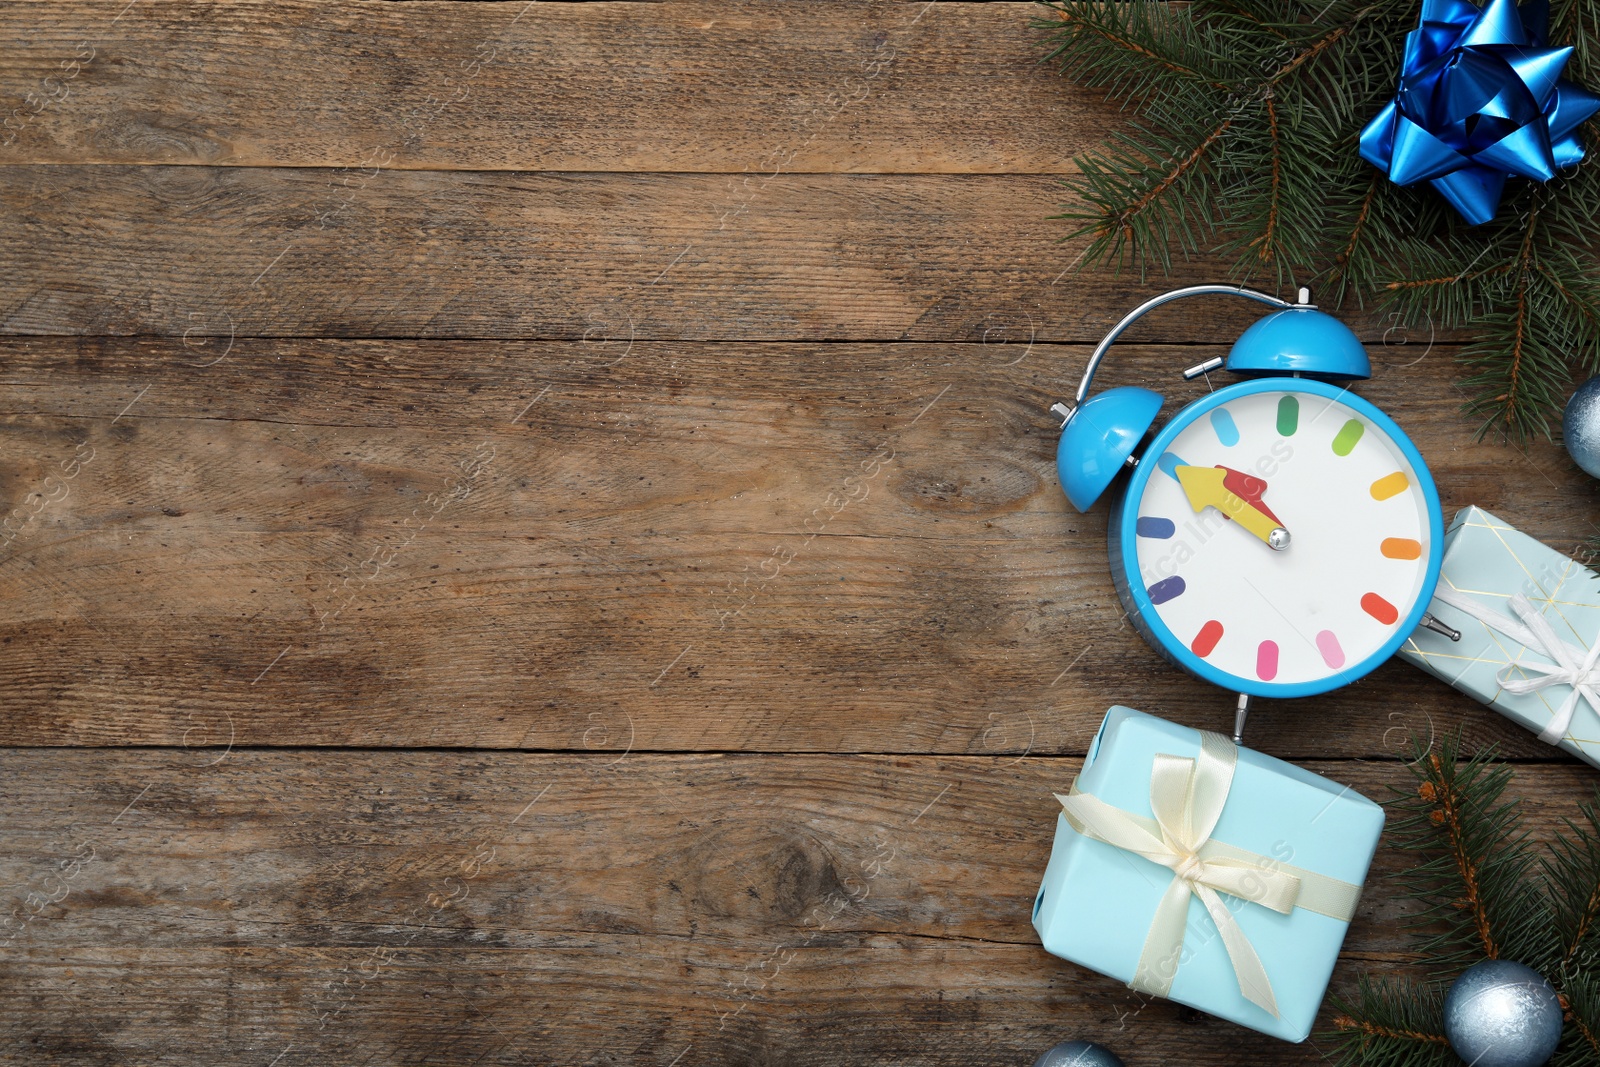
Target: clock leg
<point>1239,715</point>
<point>1428,622</point>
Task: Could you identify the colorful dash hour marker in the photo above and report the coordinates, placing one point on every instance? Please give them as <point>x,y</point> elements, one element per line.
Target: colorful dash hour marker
<point>1170,462</point>
<point>1267,661</point>
<point>1379,608</point>
<point>1401,548</point>
<point>1227,432</point>
<point>1206,640</point>
<point>1153,526</point>
<point>1166,589</point>
<point>1344,442</point>
<point>1389,485</point>
<point>1288,415</point>
<point>1328,645</point>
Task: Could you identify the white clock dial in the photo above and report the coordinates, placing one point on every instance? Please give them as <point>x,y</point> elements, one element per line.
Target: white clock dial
<point>1358,527</point>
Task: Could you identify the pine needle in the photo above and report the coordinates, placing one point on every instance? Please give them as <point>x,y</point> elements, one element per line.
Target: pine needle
<point>1486,893</point>
<point>1573,872</point>
<point>1243,147</point>
<point>1392,1023</point>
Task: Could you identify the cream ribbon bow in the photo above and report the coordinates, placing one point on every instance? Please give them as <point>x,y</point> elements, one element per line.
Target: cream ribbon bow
<point>1573,666</point>
<point>1187,796</point>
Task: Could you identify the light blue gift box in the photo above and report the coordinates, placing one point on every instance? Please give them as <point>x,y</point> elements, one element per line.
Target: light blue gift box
<point>1097,901</point>
<point>1489,562</point>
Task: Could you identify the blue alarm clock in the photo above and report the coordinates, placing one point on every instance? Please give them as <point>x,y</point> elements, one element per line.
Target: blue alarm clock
<point>1278,537</point>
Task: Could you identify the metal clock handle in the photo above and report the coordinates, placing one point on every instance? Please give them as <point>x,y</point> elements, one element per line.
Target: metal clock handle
<point>1065,410</point>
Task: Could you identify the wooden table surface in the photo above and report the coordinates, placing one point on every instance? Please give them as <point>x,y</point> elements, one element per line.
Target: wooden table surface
<point>534,539</point>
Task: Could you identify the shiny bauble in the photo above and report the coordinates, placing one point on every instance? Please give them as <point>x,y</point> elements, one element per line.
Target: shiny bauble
<point>1502,1014</point>
<point>1078,1054</point>
<point>1580,426</point>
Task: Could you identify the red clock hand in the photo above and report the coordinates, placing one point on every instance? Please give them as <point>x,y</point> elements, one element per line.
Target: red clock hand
<point>1248,488</point>
<point>1204,487</point>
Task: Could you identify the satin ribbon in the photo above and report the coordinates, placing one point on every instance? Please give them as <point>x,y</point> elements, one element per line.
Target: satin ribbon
<point>1187,797</point>
<point>1573,665</point>
<point>1480,100</point>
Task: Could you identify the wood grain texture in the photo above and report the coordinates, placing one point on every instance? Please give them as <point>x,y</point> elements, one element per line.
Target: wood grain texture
<point>705,86</point>
<point>219,251</point>
<point>457,908</point>
<point>564,565</point>
<point>675,546</point>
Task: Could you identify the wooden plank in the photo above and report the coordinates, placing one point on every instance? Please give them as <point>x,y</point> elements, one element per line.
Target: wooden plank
<point>575,564</point>
<point>566,546</point>
<point>217,251</point>
<point>733,88</point>
<point>408,907</point>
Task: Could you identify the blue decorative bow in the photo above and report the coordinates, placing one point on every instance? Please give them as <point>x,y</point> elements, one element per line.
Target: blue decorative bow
<point>1480,99</point>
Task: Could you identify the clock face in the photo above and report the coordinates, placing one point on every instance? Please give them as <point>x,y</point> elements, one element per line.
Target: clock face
<point>1281,536</point>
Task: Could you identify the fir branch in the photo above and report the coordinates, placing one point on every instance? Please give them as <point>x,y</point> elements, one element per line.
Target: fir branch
<point>1474,875</point>
<point>1464,276</point>
<point>1245,148</point>
<point>1391,1022</point>
<point>1450,814</point>
<point>1112,35</point>
<point>1242,13</point>
<point>1133,50</point>
<point>1580,999</point>
<point>1265,244</point>
<point>1587,1032</point>
<point>1577,22</point>
<point>1341,262</point>
<point>1483,895</point>
<point>1573,872</point>
<point>1171,178</point>
<point>1153,221</point>
<point>1308,55</point>
<point>1389,1033</point>
<point>1511,398</point>
<point>1587,307</point>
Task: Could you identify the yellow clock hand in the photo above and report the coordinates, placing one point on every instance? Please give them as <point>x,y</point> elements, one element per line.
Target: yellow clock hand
<point>1203,486</point>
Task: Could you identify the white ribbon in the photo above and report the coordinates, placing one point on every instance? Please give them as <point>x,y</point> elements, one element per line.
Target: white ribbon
<point>1573,665</point>
<point>1187,796</point>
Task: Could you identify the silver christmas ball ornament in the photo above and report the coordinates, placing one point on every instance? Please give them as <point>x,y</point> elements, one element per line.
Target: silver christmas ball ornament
<point>1502,1014</point>
<point>1078,1054</point>
<point>1580,426</point>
